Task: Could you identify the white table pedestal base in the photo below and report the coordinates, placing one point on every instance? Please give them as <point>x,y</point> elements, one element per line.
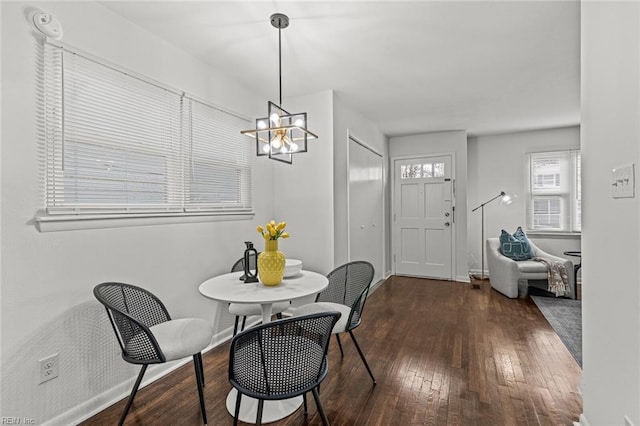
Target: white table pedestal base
<point>271,411</point>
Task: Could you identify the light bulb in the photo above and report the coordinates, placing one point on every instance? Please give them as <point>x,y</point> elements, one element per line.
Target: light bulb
<point>293,147</point>
<point>262,124</point>
<point>299,122</point>
<point>283,149</point>
<point>275,119</point>
<point>265,148</point>
<point>277,141</point>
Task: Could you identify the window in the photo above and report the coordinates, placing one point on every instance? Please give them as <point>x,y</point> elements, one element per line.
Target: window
<point>118,143</point>
<point>419,171</point>
<point>554,202</point>
<point>218,174</point>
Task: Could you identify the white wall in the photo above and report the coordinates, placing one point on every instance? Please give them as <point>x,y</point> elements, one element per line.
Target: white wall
<point>438,143</point>
<point>47,279</point>
<point>498,163</point>
<point>611,237</point>
<point>303,190</point>
<point>347,121</point>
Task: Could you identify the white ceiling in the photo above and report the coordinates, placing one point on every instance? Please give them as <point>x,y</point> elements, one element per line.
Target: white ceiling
<point>411,67</point>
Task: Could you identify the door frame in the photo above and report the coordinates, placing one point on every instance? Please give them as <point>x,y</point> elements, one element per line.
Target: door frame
<point>454,225</point>
<point>351,137</point>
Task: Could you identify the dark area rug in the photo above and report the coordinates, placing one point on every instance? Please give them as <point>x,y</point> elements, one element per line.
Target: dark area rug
<point>565,316</point>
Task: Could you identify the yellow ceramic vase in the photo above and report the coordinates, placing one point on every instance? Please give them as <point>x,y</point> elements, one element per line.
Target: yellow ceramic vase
<point>271,264</point>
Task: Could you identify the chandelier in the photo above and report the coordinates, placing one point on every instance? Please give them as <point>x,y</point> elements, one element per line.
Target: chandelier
<point>280,134</point>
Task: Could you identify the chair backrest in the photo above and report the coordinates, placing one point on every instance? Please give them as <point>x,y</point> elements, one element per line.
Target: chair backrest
<point>283,358</point>
<point>349,285</point>
<point>132,311</point>
<point>239,265</point>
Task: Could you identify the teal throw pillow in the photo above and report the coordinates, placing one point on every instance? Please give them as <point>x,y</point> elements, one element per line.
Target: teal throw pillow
<point>515,246</point>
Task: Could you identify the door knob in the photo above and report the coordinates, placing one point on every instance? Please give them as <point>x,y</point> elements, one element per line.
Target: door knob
<point>446,214</point>
<point>447,224</point>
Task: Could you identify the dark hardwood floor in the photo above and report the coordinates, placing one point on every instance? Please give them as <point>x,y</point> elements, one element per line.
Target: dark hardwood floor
<point>442,353</point>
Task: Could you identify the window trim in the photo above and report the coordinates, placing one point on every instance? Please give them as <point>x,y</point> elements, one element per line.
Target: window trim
<point>56,221</point>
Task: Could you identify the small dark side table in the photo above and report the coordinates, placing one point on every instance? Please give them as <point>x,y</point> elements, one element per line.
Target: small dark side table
<point>577,267</point>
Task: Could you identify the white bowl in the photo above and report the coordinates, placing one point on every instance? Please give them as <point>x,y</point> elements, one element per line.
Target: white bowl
<point>292,268</point>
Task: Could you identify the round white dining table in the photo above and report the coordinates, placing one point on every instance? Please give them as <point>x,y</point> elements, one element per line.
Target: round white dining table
<point>228,288</point>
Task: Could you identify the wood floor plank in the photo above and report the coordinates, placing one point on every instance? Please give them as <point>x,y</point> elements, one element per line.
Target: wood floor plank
<point>443,353</point>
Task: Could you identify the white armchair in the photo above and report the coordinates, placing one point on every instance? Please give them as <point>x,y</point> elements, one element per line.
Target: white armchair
<point>507,275</point>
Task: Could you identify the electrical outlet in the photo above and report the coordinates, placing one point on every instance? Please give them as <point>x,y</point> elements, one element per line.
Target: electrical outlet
<point>49,368</point>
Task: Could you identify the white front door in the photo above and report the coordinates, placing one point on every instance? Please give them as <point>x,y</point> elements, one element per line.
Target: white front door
<point>423,217</point>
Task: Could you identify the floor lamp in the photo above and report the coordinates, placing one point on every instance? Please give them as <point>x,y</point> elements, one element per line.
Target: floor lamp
<point>505,199</point>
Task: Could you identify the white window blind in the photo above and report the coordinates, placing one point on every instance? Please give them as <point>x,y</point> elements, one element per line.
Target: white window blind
<point>219,174</point>
<point>553,203</point>
<point>117,142</point>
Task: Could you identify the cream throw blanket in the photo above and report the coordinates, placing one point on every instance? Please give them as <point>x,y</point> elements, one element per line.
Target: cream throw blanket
<point>557,276</point>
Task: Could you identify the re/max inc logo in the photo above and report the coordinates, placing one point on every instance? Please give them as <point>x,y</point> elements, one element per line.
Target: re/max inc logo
<point>17,421</point>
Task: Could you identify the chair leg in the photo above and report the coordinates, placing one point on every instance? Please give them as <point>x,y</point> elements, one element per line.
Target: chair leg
<point>235,326</point>
<point>237,412</point>
<point>244,320</point>
<point>304,400</point>
<point>133,394</point>
<point>259,413</point>
<point>279,315</point>
<point>362,356</point>
<point>323,416</point>
<point>199,380</point>
<point>199,354</point>
<point>339,345</point>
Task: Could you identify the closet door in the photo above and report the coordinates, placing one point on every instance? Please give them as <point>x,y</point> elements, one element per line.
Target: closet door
<point>366,206</point>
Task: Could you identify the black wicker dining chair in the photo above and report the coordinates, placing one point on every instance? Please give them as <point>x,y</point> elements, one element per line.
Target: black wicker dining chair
<point>147,334</point>
<point>346,293</point>
<point>243,310</point>
<point>281,360</point>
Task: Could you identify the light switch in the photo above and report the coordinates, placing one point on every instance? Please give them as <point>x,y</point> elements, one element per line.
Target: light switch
<point>623,182</point>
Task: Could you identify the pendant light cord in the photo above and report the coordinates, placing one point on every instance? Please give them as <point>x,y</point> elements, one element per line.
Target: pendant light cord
<point>280,61</point>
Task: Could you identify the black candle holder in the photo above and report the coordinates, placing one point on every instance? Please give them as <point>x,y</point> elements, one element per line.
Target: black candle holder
<point>249,275</point>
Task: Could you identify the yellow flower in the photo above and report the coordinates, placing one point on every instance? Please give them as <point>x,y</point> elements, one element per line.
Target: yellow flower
<point>272,230</point>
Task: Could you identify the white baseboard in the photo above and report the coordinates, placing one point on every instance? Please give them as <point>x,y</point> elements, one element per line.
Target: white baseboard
<point>478,273</point>
<point>93,406</point>
<point>463,279</point>
<point>374,286</point>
